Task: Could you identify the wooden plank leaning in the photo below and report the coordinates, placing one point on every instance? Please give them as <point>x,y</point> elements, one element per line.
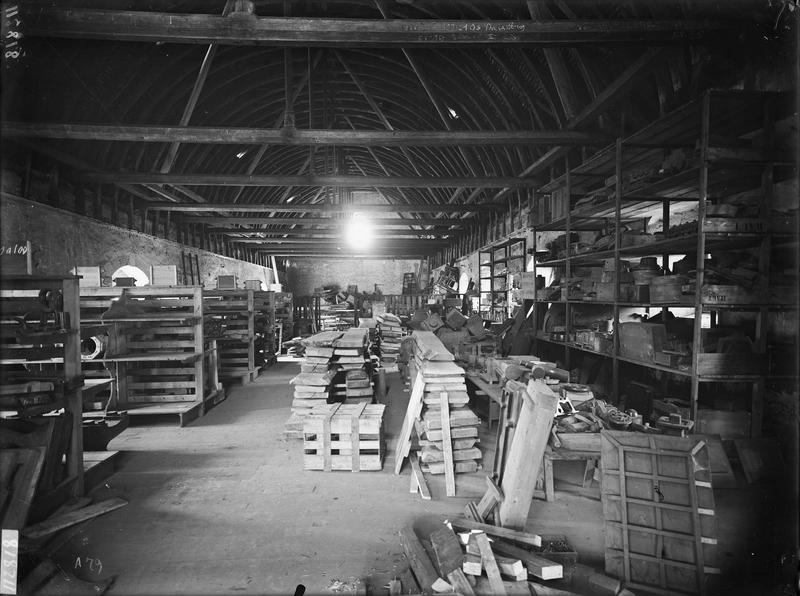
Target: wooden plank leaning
<point>412,413</point>
<point>447,447</point>
<point>526,454</point>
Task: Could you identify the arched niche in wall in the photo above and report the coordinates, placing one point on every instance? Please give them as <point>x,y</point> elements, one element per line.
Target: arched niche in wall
<point>127,273</point>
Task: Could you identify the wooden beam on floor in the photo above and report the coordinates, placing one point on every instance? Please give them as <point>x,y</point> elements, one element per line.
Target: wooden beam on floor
<point>294,136</point>
<point>418,559</point>
<point>249,29</point>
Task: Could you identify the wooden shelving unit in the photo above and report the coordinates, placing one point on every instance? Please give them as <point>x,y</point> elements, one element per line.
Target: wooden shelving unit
<point>156,349</point>
<point>41,381</point>
<point>246,342</point>
<point>284,318</point>
<point>233,311</point>
<point>727,143</point>
<point>499,264</point>
<point>265,328</point>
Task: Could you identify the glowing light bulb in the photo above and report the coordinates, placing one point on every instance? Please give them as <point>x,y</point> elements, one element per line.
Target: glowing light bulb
<point>358,232</point>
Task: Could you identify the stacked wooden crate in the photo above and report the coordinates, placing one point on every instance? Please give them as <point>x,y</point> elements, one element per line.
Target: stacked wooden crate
<point>391,335</point>
<point>312,386</point>
<point>344,437</point>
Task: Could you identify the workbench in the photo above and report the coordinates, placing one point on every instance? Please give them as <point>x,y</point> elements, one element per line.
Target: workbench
<point>493,390</point>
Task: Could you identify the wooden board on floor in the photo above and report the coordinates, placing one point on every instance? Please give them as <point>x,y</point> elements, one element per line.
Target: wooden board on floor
<point>418,559</point>
<point>20,470</point>
<point>536,565</point>
<point>489,564</point>
<point>56,523</point>
<point>516,536</point>
<point>447,549</point>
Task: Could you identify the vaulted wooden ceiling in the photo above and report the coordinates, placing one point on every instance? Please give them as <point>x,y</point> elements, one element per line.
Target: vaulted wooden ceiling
<point>267,122</point>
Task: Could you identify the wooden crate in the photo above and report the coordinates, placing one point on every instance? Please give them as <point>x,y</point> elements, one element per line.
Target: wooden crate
<point>344,437</point>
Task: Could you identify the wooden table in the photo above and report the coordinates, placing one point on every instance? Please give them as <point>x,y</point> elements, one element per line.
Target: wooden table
<point>574,446</point>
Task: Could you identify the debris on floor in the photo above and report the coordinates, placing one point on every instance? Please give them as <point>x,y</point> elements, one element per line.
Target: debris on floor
<point>502,561</point>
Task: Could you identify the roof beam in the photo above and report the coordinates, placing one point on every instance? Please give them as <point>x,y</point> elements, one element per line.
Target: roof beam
<point>316,243</point>
<point>388,256</point>
<point>293,136</point>
<point>324,222</point>
<point>237,29</point>
<point>309,234</point>
<point>323,208</point>
<point>344,181</point>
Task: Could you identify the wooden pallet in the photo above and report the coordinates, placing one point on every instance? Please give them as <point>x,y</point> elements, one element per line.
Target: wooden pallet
<point>344,437</point>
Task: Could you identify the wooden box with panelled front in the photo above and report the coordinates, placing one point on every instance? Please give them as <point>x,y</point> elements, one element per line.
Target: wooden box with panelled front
<point>344,437</point>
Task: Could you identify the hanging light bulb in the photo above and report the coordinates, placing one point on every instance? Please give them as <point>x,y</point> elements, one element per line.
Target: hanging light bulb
<point>358,232</point>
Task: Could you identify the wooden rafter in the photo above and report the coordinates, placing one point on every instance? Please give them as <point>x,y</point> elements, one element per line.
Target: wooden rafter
<point>120,25</point>
<point>194,95</point>
<point>558,66</point>
<point>322,222</point>
<point>309,238</point>
<point>343,181</point>
<point>323,207</point>
<point>285,136</point>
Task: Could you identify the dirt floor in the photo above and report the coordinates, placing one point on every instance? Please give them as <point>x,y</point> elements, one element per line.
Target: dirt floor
<point>224,506</point>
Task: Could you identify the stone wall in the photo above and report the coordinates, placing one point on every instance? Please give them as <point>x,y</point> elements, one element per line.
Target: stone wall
<point>62,240</point>
<point>306,274</point>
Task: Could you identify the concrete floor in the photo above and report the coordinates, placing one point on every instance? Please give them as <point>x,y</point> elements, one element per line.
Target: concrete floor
<point>224,506</point>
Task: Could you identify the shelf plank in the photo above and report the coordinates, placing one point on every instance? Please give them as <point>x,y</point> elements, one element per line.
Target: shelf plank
<point>152,357</point>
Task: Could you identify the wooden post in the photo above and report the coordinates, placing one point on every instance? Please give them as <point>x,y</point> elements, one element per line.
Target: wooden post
<point>525,456</point>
